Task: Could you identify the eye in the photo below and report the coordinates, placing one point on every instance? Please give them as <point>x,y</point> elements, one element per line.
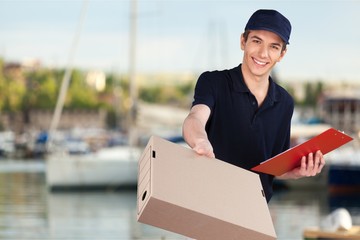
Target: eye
<point>275,47</point>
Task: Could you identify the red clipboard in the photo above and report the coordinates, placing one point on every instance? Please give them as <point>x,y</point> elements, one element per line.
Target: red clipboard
<point>291,158</point>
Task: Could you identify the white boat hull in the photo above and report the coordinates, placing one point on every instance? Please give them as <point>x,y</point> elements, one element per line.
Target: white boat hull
<point>108,167</point>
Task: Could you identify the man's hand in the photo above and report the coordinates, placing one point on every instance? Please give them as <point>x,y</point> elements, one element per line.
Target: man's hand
<point>194,130</point>
<point>310,166</point>
<point>204,147</point>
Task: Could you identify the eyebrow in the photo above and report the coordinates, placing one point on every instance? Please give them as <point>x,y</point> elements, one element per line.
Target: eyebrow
<point>258,38</point>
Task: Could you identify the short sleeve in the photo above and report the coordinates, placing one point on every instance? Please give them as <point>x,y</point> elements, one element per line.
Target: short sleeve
<point>204,91</point>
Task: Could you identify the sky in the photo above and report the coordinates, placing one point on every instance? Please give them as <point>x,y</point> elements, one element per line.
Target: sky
<point>180,35</point>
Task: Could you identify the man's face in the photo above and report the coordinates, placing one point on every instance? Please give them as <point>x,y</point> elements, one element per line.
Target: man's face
<point>262,50</point>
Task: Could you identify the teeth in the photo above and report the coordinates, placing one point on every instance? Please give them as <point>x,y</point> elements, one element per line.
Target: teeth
<point>260,63</point>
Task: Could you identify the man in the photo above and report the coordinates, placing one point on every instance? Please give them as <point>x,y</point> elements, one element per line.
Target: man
<point>241,115</point>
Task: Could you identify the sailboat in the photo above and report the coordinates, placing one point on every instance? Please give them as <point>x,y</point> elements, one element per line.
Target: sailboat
<point>108,167</point>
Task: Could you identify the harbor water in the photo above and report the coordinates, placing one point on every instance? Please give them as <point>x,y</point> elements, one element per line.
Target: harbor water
<point>29,211</point>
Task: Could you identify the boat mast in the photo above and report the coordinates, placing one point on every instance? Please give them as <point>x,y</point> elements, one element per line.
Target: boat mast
<point>132,73</point>
<point>67,76</point>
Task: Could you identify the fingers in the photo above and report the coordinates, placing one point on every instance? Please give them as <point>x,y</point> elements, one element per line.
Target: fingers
<point>321,160</point>
<point>204,148</point>
<point>303,166</point>
<point>310,165</point>
<point>314,164</point>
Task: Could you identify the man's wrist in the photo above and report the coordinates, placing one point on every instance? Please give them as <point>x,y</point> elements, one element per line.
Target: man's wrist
<point>290,175</point>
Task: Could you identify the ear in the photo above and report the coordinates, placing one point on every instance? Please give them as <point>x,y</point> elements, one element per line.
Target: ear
<point>282,54</point>
<point>242,42</point>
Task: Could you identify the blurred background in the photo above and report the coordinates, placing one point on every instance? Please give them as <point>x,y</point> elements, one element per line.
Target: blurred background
<point>84,84</point>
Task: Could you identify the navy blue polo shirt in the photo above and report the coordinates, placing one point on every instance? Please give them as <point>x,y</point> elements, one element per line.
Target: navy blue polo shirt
<point>241,132</point>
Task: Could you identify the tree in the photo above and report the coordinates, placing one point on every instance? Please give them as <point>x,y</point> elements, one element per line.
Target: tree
<point>80,95</point>
<point>42,89</point>
<point>2,85</point>
<point>312,93</point>
<point>13,95</point>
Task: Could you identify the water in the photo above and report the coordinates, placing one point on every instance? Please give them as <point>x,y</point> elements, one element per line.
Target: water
<point>29,211</point>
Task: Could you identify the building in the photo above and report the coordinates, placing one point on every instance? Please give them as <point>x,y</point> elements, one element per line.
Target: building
<point>342,111</point>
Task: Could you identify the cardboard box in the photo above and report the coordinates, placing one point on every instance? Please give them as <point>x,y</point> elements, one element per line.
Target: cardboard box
<point>200,197</point>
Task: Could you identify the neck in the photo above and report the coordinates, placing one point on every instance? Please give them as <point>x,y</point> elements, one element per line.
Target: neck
<point>254,82</point>
<point>258,85</point>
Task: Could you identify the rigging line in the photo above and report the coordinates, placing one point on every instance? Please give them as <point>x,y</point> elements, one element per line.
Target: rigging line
<point>132,72</point>
<point>67,75</point>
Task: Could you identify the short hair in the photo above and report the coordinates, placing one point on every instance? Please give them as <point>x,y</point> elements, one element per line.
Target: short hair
<point>246,36</point>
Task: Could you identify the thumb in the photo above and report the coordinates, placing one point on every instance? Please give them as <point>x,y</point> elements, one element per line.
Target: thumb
<point>205,152</point>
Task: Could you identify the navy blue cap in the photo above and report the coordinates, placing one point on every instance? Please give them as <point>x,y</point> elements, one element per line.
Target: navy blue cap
<point>270,20</point>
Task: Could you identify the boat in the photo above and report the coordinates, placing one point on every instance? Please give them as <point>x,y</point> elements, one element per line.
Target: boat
<point>336,225</point>
<point>7,144</point>
<point>316,233</point>
<point>113,167</point>
<point>344,171</point>
<point>344,179</point>
<point>107,167</point>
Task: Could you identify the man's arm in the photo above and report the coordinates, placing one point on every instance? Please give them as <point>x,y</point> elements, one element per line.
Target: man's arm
<point>310,166</point>
<point>194,130</point>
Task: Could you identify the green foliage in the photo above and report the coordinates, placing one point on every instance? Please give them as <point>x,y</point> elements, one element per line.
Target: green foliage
<point>174,95</point>
<point>42,90</point>
<point>22,91</point>
<point>151,94</point>
<point>312,93</point>
<point>2,85</point>
<point>13,95</point>
<point>80,95</point>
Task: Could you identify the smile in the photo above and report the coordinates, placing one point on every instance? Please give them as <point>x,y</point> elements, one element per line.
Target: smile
<point>259,63</point>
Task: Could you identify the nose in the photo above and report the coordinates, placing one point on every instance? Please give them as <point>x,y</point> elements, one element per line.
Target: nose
<point>263,51</point>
